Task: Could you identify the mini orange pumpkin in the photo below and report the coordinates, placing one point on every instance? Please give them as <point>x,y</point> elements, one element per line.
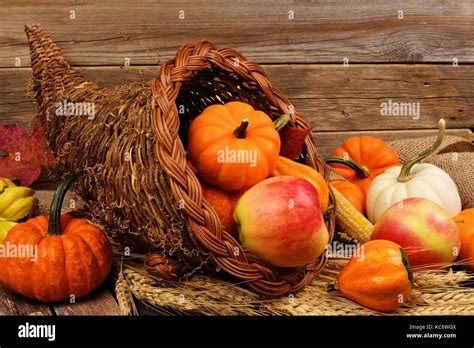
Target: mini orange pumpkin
<point>361,159</point>
<point>380,278</point>
<point>465,223</point>
<point>73,257</point>
<point>352,192</point>
<point>233,146</point>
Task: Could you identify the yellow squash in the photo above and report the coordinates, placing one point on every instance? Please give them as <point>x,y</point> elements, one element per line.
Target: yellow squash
<point>16,202</point>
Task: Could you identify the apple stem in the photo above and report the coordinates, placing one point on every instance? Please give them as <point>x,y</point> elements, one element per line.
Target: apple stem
<point>405,172</point>
<point>241,131</point>
<point>361,170</point>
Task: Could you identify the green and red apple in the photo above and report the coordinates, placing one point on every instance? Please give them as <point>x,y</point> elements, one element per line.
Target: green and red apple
<point>279,219</point>
<point>423,229</point>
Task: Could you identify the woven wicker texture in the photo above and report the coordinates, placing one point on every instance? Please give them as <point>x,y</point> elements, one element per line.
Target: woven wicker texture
<point>435,293</point>
<point>136,178</point>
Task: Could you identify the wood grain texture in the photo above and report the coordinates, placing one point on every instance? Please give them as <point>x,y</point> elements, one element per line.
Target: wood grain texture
<point>106,32</point>
<point>13,304</point>
<point>326,143</point>
<point>330,97</point>
<point>100,302</point>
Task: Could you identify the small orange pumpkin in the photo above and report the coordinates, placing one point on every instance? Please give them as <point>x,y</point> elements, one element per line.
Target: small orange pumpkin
<point>380,278</point>
<point>233,146</point>
<point>465,223</point>
<point>285,166</point>
<point>352,192</point>
<point>361,159</point>
<point>62,256</point>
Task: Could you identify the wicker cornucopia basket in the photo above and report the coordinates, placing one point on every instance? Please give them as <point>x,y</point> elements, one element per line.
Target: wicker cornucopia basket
<point>132,153</point>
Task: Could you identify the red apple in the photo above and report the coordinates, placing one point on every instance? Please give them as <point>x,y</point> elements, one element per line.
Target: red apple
<point>423,229</point>
<point>279,219</point>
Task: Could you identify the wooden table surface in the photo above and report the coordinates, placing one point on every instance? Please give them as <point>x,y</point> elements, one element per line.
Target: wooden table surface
<point>337,61</point>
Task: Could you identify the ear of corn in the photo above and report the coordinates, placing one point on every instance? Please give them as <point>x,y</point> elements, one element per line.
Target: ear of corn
<point>350,220</point>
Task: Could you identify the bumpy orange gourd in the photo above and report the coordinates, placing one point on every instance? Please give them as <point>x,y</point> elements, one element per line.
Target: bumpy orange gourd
<point>465,223</point>
<point>286,166</point>
<point>352,192</point>
<point>379,278</point>
<point>361,159</point>
<point>223,203</point>
<point>62,257</point>
<point>233,146</point>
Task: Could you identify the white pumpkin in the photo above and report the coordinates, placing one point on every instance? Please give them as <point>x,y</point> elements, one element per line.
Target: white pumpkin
<point>414,180</point>
<point>428,181</point>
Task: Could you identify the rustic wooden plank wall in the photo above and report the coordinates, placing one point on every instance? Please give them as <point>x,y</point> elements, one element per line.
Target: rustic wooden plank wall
<point>399,51</point>
<point>104,32</point>
<point>337,61</point>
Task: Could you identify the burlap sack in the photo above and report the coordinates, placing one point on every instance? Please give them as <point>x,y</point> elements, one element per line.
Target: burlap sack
<point>459,165</point>
<point>455,156</point>
<point>407,148</point>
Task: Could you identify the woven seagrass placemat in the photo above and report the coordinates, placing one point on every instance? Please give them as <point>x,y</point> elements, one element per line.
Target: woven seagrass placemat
<point>435,293</point>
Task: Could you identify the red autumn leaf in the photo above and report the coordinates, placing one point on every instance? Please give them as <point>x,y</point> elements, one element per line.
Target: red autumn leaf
<point>292,141</point>
<point>21,156</point>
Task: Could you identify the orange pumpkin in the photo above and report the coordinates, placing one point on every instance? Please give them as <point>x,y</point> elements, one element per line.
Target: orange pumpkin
<point>352,192</point>
<point>62,257</point>
<point>286,166</point>
<point>361,159</point>
<point>380,278</point>
<point>465,222</point>
<point>233,146</point>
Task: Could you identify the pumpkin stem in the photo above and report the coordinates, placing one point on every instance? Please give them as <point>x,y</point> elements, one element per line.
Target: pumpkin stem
<point>3,153</point>
<point>281,122</point>
<point>405,174</point>
<point>361,171</point>
<point>241,131</point>
<point>55,211</point>
<point>407,266</point>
